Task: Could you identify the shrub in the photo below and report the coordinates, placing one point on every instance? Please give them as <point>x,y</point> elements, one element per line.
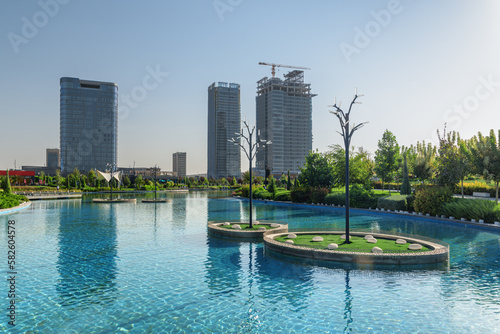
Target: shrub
<point>359,197</point>
<point>263,194</point>
<point>337,198</point>
<point>318,195</point>
<point>472,209</point>
<point>283,195</point>
<point>429,199</point>
<point>11,200</point>
<point>471,187</point>
<point>396,202</point>
<point>301,194</point>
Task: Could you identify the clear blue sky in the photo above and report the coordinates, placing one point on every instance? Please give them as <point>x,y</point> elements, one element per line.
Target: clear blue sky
<point>419,63</point>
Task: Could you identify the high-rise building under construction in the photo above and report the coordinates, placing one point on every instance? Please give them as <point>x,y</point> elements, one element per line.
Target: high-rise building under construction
<point>284,116</point>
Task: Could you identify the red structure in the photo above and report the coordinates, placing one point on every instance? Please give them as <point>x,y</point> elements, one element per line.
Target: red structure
<point>17,173</point>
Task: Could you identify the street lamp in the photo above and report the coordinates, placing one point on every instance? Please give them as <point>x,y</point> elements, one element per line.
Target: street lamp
<point>253,148</point>
<point>347,132</point>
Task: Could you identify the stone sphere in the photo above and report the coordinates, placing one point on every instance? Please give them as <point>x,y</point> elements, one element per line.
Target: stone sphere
<point>377,250</point>
<point>343,236</point>
<point>372,240</point>
<point>368,236</point>
<point>289,241</point>
<point>401,241</point>
<point>316,239</point>
<point>291,236</point>
<point>332,246</point>
<point>262,228</point>
<point>256,223</point>
<point>415,247</point>
<point>236,227</point>
<point>275,225</point>
<point>226,224</point>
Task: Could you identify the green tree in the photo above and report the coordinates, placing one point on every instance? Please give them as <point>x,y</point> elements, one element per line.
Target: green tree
<point>453,161</point>
<point>271,185</point>
<point>486,152</point>
<point>406,186</point>
<point>317,172</point>
<point>386,157</point>
<point>126,181</point>
<point>6,184</point>
<point>42,177</point>
<point>288,182</point>
<point>246,177</point>
<point>58,177</point>
<point>92,177</point>
<point>360,165</point>
<point>424,163</point>
<point>138,182</point>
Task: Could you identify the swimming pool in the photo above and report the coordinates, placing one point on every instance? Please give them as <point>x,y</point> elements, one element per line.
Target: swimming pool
<point>139,268</point>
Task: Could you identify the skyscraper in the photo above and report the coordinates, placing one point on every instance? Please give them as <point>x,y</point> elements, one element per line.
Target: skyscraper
<point>224,120</point>
<point>53,158</point>
<point>89,124</point>
<point>179,163</point>
<point>284,116</point>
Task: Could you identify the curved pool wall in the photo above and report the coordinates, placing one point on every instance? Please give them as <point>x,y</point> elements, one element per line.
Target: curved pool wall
<point>135,268</point>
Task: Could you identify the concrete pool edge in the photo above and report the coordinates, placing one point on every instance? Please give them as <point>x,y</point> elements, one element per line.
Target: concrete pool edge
<point>438,254</point>
<point>22,206</point>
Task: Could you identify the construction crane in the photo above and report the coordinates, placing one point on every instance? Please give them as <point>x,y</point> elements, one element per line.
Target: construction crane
<point>273,69</point>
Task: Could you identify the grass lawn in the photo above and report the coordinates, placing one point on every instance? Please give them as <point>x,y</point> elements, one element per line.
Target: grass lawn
<point>357,243</point>
<point>385,192</point>
<point>245,226</point>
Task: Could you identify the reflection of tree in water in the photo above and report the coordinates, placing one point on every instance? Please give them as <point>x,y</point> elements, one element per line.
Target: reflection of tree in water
<point>222,266</point>
<point>87,258</point>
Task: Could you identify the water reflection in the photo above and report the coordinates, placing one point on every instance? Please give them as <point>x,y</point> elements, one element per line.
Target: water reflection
<point>87,257</point>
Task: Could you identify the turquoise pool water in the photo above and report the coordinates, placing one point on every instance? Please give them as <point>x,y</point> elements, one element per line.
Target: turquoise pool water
<point>141,268</point>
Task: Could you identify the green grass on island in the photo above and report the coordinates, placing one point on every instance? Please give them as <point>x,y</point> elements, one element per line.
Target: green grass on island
<point>358,244</point>
<point>246,226</point>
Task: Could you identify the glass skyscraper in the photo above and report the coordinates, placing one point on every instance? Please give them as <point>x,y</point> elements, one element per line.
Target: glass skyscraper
<point>224,120</point>
<point>89,124</point>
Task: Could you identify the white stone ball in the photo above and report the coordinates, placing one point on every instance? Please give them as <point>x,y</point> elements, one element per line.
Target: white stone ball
<point>317,239</point>
<point>377,250</point>
<point>368,236</point>
<point>262,228</point>
<point>226,224</point>
<point>333,246</point>
<point>401,241</point>
<point>236,227</point>
<point>289,241</point>
<point>275,225</point>
<point>372,240</point>
<point>291,236</point>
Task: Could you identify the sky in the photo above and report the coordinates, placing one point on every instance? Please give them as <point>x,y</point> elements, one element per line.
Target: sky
<point>419,64</point>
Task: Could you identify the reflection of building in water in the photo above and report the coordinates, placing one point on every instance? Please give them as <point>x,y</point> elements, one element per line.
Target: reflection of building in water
<point>87,257</point>
<point>223,209</point>
<point>223,272</point>
<point>280,273</point>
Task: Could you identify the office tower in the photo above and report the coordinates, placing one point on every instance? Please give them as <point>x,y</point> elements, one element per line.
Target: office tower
<point>224,120</point>
<point>89,125</point>
<point>179,164</point>
<point>284,116</point>
<point>53,158</point>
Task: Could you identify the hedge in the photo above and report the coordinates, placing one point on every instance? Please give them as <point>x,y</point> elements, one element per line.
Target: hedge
<point>396,202</point>
<point>472,209</point>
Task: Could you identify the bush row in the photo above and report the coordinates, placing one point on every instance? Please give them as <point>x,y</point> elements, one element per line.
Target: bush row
<point>11,200</point>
